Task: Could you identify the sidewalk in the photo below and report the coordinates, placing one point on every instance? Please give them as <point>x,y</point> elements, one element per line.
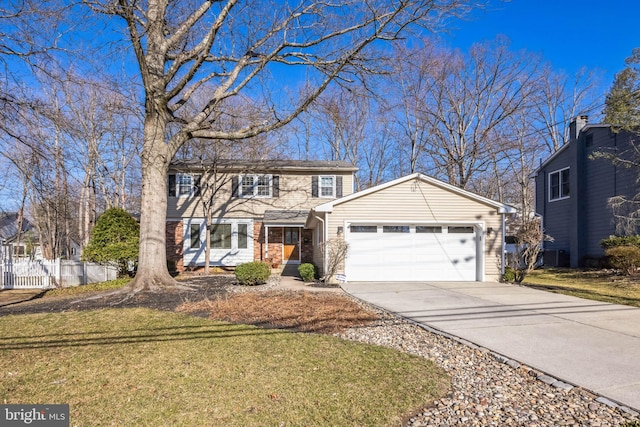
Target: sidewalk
<point>290,280</point>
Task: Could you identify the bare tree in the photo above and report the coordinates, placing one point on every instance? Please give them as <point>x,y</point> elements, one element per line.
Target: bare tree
<point>235,47</point>
<point>335,253</point>
<point>345,124</point>
<point>102,127</point>
<point>414,83</point>
<point>211,158</point>
<point>558,100</point>
<point>454,107</point>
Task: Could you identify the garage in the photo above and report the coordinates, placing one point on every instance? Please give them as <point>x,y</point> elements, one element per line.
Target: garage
<point>414,228</point>
<point>401,252</point>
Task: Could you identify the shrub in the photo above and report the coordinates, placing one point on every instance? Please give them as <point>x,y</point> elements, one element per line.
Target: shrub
<point>252,273</point>
<point>624,258</point>
<point>509,275</point>
<point>614,241</point>
<point>114,238</point>
<point>307,272</point>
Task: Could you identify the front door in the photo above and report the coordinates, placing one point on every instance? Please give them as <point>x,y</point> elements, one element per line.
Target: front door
<point>291,244</point>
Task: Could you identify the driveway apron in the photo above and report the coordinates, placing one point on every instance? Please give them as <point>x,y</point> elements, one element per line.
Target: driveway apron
<point>587,343</point>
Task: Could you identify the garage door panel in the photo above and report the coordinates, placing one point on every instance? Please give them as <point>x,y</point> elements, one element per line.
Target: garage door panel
<point>413,256</point>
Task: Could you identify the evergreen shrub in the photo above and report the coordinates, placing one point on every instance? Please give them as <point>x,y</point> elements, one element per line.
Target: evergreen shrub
<point>253,273</point>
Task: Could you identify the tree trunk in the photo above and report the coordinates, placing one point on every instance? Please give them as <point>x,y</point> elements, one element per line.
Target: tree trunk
<point>153,273</point>
<point>207,251</point>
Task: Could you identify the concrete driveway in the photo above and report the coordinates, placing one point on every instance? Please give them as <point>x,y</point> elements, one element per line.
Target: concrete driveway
<point>590,344</point>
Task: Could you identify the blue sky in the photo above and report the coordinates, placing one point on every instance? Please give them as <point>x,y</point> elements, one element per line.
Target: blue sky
<point>570,34</point>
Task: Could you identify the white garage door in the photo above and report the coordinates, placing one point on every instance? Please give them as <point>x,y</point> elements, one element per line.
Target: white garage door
<point>411,253</point>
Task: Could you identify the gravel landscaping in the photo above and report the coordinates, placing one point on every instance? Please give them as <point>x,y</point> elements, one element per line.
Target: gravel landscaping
<point>488,390</point>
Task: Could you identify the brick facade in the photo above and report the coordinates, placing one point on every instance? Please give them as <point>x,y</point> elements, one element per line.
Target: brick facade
<point>275,244</point>
<point>175,245</point>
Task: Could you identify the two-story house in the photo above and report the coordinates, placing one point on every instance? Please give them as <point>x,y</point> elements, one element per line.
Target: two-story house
<point>258,208</point>
<point>287,212</point>
<point>573,189</point>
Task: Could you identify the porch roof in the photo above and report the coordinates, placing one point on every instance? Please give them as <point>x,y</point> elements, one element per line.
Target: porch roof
<point>293,218</point>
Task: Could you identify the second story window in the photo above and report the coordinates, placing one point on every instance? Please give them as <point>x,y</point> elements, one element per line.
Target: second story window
<point>327,186</point>
<point>255,186</point>
<point>183,185</point>
<point>559,185</point>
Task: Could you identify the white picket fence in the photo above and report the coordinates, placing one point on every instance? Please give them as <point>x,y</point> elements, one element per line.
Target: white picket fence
<point>44,274</point>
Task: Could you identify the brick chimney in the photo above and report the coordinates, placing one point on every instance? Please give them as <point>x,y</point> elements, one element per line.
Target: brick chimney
<point>576,125</point>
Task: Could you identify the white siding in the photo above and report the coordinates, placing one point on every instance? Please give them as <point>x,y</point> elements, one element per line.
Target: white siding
<point>218,257</point>
<point>419,202</point>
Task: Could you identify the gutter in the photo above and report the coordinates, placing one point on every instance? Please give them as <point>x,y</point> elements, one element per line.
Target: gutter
<point>324,240</point>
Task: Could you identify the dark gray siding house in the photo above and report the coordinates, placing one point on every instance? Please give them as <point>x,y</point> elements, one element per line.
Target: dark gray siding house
<point>573,188</point>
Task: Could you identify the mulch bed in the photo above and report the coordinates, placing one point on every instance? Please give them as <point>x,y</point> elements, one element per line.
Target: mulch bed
<point>203,287</point>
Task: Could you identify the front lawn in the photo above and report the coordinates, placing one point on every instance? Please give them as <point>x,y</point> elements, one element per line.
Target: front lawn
<point>599,285</point>
<point>139,366</point>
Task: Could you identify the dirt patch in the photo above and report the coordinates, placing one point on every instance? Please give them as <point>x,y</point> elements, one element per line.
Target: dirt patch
<point>210,287</point>
<point>297,310</point>
<point>218,297</point>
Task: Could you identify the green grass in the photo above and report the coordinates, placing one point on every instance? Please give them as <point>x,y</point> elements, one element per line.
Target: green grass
<point>599,285</point>
<point>148,368</point>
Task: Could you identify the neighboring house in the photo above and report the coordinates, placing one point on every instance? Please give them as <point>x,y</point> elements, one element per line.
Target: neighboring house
<point>9,243</point>
<point>414,228</point>
<point>573,188</point>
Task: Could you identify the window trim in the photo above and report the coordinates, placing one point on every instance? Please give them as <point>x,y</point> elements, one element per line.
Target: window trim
<point>255,178</point>
<point>174,184</point>
<point>560,185</point>
<point>333,187</point>
<point>193,237</point>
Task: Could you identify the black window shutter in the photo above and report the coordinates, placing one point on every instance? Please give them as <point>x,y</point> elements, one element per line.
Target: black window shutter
<point>234,186</point>
<point>196,184</point>
<point>276,186</point>
<point>172,185</point>
<point>314,186</point>
<point>338,186</point>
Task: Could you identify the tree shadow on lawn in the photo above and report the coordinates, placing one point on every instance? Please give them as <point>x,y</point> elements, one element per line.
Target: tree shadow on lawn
<point>203,288</point>
<point>133,336</point>
<point>213,298</point>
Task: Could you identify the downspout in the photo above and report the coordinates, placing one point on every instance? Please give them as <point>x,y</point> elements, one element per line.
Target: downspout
<point>504,247</point>
<point>324,240</point>
<point>266,243</point>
